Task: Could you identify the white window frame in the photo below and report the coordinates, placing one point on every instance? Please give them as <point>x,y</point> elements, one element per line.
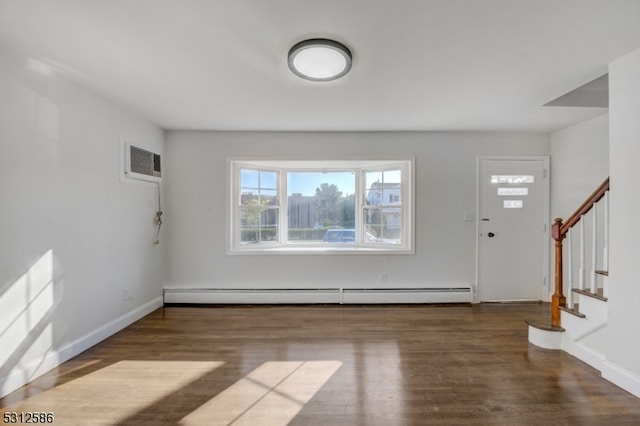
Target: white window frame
<point>282,246</point>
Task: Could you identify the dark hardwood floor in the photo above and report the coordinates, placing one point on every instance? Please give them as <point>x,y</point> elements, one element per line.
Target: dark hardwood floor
<point>327,365</point>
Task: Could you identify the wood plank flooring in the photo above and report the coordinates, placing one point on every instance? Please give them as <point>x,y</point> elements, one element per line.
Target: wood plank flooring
<point>327,365</point>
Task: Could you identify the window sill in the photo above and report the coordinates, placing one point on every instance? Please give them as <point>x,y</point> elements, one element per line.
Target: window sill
<point>316,250</point>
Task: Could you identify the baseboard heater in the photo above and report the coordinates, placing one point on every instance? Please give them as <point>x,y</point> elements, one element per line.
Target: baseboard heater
<point>457,294</point>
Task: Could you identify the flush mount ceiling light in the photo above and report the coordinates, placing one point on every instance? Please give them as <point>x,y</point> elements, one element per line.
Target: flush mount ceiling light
<point>319,59</point>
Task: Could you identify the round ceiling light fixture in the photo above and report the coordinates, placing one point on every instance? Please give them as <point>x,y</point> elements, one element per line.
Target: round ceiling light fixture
<point>319,59</point>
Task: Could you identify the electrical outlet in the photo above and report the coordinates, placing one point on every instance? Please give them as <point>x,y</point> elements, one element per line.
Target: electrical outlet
<point>126,295</point>
<point>383,278</point>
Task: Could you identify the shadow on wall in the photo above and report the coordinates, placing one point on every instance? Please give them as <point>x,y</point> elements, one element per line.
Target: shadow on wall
<point>27,307</point>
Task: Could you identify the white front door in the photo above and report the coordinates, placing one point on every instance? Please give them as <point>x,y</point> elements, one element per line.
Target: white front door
<point>513,229</point>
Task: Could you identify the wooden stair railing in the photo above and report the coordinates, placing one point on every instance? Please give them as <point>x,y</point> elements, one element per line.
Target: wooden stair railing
<point>559,231</point>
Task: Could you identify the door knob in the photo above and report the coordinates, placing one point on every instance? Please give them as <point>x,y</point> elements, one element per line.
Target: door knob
<point>491,235</point>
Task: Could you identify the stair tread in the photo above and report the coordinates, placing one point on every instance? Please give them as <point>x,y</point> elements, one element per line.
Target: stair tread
<point>599,295</point>
<point>543,325</point>
<point>573,311</point>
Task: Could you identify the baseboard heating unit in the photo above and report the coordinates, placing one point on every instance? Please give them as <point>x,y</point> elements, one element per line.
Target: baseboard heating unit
<point>457,294</point>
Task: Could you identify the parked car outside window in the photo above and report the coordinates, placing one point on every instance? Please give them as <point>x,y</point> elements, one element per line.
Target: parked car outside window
<point>340,236</point>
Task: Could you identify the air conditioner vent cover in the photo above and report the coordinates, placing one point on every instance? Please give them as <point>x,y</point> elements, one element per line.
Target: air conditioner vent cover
<point>142,164</point>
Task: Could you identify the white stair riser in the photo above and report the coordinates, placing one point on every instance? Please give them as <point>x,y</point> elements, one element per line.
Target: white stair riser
<point>545,339</point>
<point>586,338</point>
<point>595,311</point>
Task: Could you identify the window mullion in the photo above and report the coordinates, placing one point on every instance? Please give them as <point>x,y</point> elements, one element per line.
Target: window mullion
<point>359,202</point>
<point>284,207</point>
<point>235,208</point>
<point>406,202</point>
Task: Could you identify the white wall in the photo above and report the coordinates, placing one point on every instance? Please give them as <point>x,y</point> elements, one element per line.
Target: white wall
<point>73,236</point>
<point>445,190</point>
<point>579,164</point>
<point>623,351</point>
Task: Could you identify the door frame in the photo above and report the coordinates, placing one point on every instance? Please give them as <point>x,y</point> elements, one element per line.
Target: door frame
<point>545,288</point>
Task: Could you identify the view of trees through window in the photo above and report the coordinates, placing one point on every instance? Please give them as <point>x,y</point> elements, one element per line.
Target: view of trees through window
<point>319,201</point>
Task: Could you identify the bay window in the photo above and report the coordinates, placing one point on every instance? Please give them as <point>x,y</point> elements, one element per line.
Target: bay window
<point>315,206</point>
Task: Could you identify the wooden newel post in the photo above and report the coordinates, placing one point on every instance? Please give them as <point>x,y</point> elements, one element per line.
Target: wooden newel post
<point>558,299</point>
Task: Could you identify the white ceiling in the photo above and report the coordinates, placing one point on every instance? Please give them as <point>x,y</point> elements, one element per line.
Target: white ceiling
<point>418,64</point>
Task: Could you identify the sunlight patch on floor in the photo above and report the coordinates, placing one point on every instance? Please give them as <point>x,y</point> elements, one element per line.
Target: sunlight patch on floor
<point>119,391</point>
<point>272,394</point>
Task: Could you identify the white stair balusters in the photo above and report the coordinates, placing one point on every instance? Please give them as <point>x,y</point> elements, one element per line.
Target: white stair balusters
<point>605,246</point>
<point>581,270</point>
<point>569,291</point>
<point>559,232</point>
<point>594,254</point>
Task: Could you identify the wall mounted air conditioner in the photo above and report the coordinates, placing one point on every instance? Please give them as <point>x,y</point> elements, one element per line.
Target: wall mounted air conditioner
<point>142,164</point>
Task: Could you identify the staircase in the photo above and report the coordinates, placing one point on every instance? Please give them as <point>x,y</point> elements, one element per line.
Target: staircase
<point>579,310</point>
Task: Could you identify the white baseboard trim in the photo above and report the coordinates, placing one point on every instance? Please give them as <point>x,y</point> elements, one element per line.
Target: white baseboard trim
<point>588,355</point>
<point>19,377</point>
<point>621,378</point>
